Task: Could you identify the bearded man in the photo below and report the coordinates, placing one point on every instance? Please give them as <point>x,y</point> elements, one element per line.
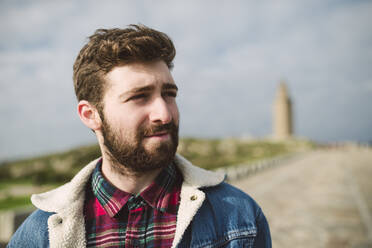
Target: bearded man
<point>140,193</point>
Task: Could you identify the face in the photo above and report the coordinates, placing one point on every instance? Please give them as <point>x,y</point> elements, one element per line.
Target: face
<point>140,117</point>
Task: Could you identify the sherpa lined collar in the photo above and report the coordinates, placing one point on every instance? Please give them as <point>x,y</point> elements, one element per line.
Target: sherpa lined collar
<point>51,201</point>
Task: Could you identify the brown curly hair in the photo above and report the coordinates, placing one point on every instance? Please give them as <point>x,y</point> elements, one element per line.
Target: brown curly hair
<point>108,48</point>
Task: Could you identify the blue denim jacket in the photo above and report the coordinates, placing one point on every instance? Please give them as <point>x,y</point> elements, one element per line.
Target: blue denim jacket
<point>227,218</point>
<point>224,216</point>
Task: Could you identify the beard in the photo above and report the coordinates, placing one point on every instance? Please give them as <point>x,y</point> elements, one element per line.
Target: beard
<point>128,154</point>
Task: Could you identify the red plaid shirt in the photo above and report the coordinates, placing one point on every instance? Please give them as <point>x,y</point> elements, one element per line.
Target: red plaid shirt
<point>114,218</point>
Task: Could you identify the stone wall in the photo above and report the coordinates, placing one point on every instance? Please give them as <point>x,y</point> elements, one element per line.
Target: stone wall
<point>10,220</point>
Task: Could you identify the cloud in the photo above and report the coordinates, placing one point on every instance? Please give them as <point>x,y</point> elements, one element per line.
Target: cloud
<point>230,58</point>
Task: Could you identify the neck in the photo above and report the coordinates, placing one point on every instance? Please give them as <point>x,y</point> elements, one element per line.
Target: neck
<point>128,181</point>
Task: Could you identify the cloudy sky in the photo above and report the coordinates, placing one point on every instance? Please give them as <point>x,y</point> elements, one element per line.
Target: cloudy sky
<point>231,56</point>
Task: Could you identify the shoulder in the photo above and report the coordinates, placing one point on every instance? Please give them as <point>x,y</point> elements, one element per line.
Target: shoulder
<point>226,204</point>
<point>229,216</point>
<point>225,188</point>
<point>227,197</point>
<point>33,232</point>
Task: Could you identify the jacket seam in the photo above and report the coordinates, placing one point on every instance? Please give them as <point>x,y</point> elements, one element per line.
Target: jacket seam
<point>232,235</point>
<point>259,214</point>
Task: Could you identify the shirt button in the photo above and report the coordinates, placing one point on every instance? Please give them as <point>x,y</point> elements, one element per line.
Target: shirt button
<point>193,197</point>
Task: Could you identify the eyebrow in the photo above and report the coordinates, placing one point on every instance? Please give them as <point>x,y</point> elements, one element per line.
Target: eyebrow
<point>170,86</point>
<point>140,89</point>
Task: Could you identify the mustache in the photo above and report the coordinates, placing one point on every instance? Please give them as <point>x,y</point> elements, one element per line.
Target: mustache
<point>170,127</point>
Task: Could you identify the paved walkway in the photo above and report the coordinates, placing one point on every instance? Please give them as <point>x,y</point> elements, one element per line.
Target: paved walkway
<point>323,199</point>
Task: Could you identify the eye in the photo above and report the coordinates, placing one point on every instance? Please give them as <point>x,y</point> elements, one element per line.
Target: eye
<point>139,97</point>
<point>170,93</point>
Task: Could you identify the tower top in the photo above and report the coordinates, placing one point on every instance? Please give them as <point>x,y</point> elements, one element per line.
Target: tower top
<point>282,113</point>
<point>282,92</point>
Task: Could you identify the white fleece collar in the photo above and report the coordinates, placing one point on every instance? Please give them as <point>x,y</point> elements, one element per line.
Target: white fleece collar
<point>63,197</point>
<point>197,177</point>
<point>66,227</point>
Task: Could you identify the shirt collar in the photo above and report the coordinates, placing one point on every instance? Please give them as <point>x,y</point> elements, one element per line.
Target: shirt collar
<point>162,194</point>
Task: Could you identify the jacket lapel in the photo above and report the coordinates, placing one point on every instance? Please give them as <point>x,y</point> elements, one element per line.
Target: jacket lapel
<point>66,227</point>
<point>191,196</point>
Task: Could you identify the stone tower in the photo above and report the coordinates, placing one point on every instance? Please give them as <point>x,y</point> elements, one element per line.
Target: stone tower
<point>282,114</point>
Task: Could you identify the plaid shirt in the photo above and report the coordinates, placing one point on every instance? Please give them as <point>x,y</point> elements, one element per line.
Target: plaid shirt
<point>114,218</point>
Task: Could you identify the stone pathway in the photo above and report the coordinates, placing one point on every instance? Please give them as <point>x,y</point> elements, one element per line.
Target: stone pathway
<point>323,199</point>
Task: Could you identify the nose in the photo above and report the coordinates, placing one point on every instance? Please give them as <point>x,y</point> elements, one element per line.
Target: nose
<point>160,111</point>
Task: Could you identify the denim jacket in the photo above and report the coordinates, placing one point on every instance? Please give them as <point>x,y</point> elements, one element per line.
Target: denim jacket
<point>211,214</point>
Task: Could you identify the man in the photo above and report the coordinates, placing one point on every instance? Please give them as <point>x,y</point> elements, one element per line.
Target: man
<point>140,193</point>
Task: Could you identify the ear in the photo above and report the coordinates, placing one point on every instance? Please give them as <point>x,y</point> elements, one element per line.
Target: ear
<point>89,115</point>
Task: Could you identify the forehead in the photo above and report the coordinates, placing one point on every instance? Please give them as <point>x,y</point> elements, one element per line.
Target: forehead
<point>126,77</point>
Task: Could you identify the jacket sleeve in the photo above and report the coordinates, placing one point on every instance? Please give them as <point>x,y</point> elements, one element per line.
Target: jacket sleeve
<point>263,238</point>
<point>33,232</point>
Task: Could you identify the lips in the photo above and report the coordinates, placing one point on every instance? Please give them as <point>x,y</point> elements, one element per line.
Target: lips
<point>159,134</point>
<point>160,131</point>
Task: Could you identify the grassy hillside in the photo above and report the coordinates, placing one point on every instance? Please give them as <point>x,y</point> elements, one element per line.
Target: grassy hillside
<point>19,179</point>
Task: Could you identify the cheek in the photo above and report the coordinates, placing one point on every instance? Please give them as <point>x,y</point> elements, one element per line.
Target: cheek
<point>127,118</point>
<point>175,113</point>
<point>133,122</point>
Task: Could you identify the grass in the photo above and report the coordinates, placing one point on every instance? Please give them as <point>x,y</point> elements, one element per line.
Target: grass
<point>7,183</point>
<point>56,169</point>
<point>14,202</point>
<point>215,153</point>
